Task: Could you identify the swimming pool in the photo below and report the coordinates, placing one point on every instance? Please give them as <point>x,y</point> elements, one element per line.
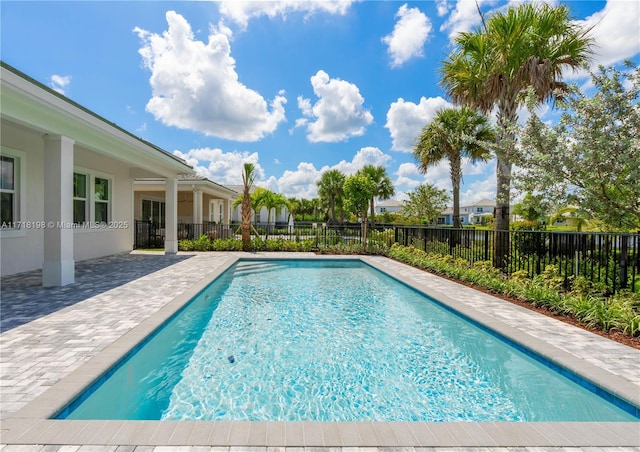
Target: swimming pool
<point>249,348</point>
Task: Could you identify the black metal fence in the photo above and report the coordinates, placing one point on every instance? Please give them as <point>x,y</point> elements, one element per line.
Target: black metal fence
<point>150,235</point>
<point>611,260</point>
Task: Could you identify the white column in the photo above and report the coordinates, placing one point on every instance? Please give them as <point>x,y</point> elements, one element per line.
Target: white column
<point>226,212</point>
<point>58,268</point>
<point>197,207</point>
<point>171,217</point>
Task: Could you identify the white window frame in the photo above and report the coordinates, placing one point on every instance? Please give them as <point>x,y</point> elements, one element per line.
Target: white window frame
<point>19,191</point>
<point>87,196</point>
<point>91,199</point>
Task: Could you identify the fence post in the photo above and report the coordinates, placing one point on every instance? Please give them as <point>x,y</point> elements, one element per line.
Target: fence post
<point>486,245</point>
<point>624,258</point>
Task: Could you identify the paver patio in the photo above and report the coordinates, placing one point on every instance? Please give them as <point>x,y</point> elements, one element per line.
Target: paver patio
<point>49,333</point>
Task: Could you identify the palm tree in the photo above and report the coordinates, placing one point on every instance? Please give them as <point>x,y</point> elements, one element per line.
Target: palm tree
<point>384,186</point>
<point>330,188</point>
<point>526,47</point>
<point>248,178</point>
<point>293,205</point>
<point>272,201</point>
<point>453,134</point>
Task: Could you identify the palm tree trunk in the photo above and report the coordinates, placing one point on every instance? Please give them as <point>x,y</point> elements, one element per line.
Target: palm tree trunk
<point>456,176</point>
<point>373,213</point>
<point>506,118</point>
<point>333,210</point>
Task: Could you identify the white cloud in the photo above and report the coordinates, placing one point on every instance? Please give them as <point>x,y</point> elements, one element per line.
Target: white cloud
<point>241,12</point>
<point>195,85</point>
<point>482,188</point>
<point>405,120</point>
<point>221,167</point>
<point>409,35</point>
<point>225,168</point>
<point>464,17</point>
<point>443,7</point>
<point>338,114</point>
<point>616,31</point>
<point>59,83</point>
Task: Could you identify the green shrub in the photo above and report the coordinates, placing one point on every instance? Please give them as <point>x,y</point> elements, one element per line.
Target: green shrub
<point>621,312</point>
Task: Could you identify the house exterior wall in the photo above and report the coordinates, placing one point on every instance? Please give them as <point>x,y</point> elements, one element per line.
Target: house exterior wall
<point>92,243</point>
<point>23,250</point>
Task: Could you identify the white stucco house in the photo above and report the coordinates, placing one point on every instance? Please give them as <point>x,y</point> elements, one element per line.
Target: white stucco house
<point>474,213</point>
<point>388,206</point>
<point>67,182</point>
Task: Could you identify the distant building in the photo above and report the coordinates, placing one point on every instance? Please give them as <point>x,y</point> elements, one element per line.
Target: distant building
<point>389,206</point>
<point>476,213</point>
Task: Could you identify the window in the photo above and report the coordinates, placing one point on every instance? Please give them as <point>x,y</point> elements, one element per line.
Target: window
<point>221,212</point>
<point>92,195</point>
<point>153,211</point>
<point>102,200</point>
<point>8,194</point>
<point>80,196</point>
<point>479,209</point>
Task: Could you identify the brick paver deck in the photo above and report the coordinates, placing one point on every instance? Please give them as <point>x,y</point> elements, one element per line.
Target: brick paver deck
<point>48,334</point>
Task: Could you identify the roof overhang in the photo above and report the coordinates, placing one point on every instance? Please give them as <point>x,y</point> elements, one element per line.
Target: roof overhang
<point>29,103</point>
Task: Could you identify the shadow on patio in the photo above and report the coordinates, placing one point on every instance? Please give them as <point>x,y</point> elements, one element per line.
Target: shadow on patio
<point>23,299</point>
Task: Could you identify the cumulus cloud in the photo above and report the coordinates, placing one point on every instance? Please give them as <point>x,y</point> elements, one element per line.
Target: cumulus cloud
<point>301,183</point>
<point>224,168</point>
<point>409,35</point>
<point>464,17</point>
<point>615,31</point>
<point>241,12</point>
<point>339,112</point>
<point>195,85</point>
<point>221,167</point>
<point>59,83</point>
<point>405,120</point>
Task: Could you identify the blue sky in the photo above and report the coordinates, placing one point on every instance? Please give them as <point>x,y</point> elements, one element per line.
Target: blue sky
<point>296,87</point>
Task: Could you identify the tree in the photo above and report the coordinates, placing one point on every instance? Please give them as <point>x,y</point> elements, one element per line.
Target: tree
<point>426,202</point>
<point>272,201</point>
<point>258,200</point>
<point>330,188</point>
<point>532,208</point>
<point>591,158</point>
<point>453,134</point>
<point>248,178</point>
<point>527,46</point>
<point>293,205</point>
<point>384,187</point>
<point>358,190</point>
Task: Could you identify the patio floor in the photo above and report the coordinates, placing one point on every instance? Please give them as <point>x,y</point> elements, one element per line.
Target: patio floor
<point>49,334</point>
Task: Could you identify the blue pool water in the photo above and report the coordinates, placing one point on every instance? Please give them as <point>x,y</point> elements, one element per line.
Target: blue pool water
<point>330,341</point>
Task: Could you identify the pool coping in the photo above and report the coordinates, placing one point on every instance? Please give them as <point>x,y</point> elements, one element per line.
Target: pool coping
<point>31,424</point>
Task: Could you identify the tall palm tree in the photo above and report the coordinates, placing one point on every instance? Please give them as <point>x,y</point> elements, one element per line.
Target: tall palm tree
<point>453,134</point>
<point>248,178</point>
<point>384,186</point>
<point>330,188</point>
<point>526,47</point>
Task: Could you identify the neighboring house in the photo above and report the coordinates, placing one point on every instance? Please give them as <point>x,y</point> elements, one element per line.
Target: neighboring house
<point>67,181</point>
<point>475,213</point>
<point>388,206</point>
